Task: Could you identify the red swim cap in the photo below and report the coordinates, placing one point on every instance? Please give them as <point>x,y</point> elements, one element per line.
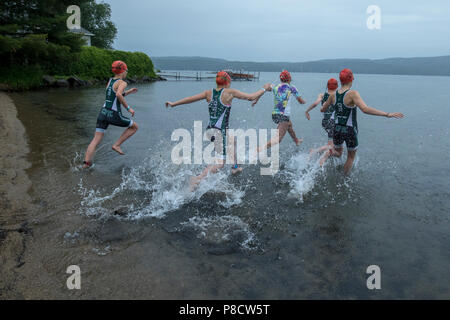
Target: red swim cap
<point>119,67</point>
<point>346,76</point>
<point>332,84</point>
<point>285,76</point>
<point>222,78</point>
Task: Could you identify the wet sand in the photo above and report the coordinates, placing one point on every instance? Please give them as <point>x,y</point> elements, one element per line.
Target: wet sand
<point>118,259</point>
<point>15,202</point>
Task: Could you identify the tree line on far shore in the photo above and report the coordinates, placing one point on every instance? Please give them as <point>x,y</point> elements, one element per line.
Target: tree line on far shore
<point>34,42</point>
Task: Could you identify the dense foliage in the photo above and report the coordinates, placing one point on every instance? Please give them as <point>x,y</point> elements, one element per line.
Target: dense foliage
<point>34,40</point>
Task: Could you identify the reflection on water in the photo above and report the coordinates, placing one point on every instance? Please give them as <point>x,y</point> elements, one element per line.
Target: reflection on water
<point>307,232</point>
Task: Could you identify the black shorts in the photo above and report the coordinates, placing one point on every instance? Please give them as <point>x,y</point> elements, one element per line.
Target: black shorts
<point>115,118</point>
<point>346,134</point>
<point>219,137</point>
<point>328,125</point>
<point>279,118</point>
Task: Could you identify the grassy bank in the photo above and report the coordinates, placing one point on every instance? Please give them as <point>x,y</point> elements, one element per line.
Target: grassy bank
<point>92,64</point>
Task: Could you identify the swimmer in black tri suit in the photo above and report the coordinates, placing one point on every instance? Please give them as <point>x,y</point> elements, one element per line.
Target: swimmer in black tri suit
<point>328,117</point>
<point>346,103</point>
<point>219,105</point>
<point>111,112</point>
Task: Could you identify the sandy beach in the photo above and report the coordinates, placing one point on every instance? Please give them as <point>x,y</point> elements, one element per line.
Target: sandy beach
<point>14,199</point>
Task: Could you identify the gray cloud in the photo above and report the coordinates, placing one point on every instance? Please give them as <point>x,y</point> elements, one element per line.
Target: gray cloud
<point>281,30</point>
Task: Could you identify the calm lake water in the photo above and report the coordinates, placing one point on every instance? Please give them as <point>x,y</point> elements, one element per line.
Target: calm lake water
<point>136,232</point>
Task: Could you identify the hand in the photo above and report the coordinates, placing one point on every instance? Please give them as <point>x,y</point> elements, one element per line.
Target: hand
<point>169,104</point>
<point>307,115</point>
<point>134,90</point>
<point>131,111</point>
<point>268,87</point>
<point>396,115</point>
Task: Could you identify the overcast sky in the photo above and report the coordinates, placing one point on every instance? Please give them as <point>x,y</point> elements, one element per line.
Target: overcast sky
<point>282,30</point>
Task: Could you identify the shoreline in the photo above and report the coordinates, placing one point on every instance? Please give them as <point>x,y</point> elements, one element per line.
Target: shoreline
<point>75,82</point>
<point>15,202</point>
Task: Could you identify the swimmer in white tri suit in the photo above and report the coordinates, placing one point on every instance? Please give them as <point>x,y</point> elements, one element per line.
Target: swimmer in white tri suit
<point>281,113</point>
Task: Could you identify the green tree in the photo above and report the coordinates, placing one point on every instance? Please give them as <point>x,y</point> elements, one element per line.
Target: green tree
<point>96,18</point>
<point>35,31</point>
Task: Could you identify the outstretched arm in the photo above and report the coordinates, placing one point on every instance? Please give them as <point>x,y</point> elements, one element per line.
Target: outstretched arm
<point>268,87</point>
<point>327,103</point>
<point>250,96</point>
<point>300,100</point>
<point>358,101</point>
<point>187,100</point>
<point>315,104</point>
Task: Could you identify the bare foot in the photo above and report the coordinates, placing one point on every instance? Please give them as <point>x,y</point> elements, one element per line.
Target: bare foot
<point>236,170</point>
<point>312,151</point>
<point>193,183</point>
<point>325,157</point>
<point>118,150</point>
<point>87,164</point>
<point>299,142</point>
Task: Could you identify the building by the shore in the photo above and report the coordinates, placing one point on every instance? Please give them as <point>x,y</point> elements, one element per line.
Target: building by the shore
<point>86,35</point>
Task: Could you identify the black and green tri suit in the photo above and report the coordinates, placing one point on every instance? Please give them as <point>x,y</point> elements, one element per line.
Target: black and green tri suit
<point>219,117</point>
<point>328,117</point>
<point>346,126</point>
<point>111,112</point>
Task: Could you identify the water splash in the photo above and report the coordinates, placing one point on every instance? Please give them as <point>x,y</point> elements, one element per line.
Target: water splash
<point>155,188</point>
<point>302,173</point>
<point>222,230</point>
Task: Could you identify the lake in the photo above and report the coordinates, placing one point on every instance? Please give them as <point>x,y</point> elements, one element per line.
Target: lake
<point>305,233</point>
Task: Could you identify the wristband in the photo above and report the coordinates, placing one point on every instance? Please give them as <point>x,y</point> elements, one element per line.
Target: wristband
<point>263,89</point>
<point>128,108</point>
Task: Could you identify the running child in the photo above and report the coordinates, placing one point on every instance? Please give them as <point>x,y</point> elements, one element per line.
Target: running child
<point>328,116</point>
<point>111,112</point>
<point>347,102</point>
<point>282,110</point>
<point>219,104</point>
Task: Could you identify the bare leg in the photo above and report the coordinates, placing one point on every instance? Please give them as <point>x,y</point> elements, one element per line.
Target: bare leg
<point>209,169</point>
<point>125,135</point>
<point>91,148</point>
<point>329,147</point>
<point>336,152</point>
<point>282,128</point>
<point>351,155</point>
<point>293,136</point>
<point>321,149</point>
<point>236,169</point>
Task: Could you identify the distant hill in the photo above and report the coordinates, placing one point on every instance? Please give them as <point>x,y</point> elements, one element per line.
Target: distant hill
<point>435,66</point>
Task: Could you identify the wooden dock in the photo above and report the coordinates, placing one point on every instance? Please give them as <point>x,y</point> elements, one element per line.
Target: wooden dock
<point>200,75</point>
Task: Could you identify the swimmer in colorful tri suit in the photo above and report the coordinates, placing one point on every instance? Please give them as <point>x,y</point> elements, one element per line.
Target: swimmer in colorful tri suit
<point>347,102</point>
<point>219,106</point>
<point>282,110</point>
<point>111,112</point>
<point>328,116</point>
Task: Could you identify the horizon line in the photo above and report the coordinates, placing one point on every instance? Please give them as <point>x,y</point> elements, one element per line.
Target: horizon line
<point>329,59</point>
